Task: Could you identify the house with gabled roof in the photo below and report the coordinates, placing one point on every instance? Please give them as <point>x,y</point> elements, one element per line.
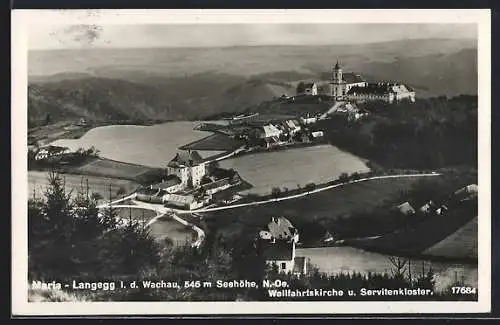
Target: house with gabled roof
<point>50,151</point>
<point>405,208</point>
<point>189,167</point>
<point>278,243</point>
<point>307,88</point>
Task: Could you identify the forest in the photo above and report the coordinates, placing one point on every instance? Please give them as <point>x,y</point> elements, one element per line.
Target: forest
<point>430,133</point>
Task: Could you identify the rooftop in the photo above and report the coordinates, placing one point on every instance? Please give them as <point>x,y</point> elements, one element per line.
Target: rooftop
<point>186,158</point>
<point>169,181</point>
<point>51,148</point>
<point>352,78</point>
<point>279,252</point>
<point>281,228</point>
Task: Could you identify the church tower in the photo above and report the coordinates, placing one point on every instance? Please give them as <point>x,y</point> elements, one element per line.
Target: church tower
<point>337,74</point>
<point>337,85</point>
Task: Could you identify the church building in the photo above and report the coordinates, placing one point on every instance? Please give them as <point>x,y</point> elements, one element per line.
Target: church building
<point>353,87</point>
<point>341,83</point>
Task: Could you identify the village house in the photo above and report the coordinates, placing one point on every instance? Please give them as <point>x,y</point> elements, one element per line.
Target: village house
<point>50,151</point>
<point>278,243</point>
<point>171,184</point>
<point>293,127</point>
<point>405,208</point>
<point>306,120</point>
<point>307,88</point>
<point>317,135</point>
<point>189,167</point>
<point>467,192</point>
<point>186,201</point>
<point>428,207</point>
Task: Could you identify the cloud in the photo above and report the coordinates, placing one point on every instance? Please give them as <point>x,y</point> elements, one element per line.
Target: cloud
<point>84,35</point>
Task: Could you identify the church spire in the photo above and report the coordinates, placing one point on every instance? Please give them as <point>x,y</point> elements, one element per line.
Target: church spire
<point>337,65</point>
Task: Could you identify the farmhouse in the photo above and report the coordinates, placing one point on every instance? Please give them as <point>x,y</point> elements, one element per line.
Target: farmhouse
<point>427,207</point>
<point>278,244</point>
<point>270,131</point>
<point>183,200</point>
<point>467,192</point>
<point>405,208</point>
<point>317,135</point>
<point>188,166</point>
<point>307,88</point>
<point>170,184</point>
<point>50,152</point>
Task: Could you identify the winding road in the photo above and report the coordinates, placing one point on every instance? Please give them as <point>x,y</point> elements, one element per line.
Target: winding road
<point>162,210</point>
<point>295,196</point>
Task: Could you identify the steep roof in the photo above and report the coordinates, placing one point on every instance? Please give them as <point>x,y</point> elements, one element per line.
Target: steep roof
<point>281,228</point>
<point>271,131</point>
<point>352,78</point>
<point>170,181</point>
<point>186,158</point>
<point>279,252</point>
<point>405,208</point>
<point>54,149</point>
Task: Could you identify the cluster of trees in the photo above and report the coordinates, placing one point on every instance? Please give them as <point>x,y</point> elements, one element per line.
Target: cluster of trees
<point>430,133</point>
<point>69,239</point>
<point>65,160</point>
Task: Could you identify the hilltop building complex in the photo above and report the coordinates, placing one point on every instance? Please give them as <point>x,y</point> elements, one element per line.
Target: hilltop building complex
<point>353,87</point>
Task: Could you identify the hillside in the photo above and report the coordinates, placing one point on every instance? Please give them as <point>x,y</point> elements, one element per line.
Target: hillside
<point>239,60</point>
<point>191,83</point>
<point>431,75</point>
<point>190,98</point>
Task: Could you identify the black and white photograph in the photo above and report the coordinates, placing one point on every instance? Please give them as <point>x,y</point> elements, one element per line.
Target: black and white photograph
<point>248,160</point>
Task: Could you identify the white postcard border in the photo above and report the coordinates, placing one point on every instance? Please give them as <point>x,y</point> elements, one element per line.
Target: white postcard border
<point>20,21</point>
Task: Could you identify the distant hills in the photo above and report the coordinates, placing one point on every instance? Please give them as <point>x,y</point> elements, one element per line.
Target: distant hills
<point>173,84</point>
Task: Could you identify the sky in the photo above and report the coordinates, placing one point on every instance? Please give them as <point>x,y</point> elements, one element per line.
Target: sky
<point>45,36</point>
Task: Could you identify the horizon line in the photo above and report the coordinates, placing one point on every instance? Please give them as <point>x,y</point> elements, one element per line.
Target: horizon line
<point>251,45</point>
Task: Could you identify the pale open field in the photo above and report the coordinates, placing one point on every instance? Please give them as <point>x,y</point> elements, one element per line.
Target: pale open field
<point>334,260</point>
<point>462,243</point>
<point>293,167</point>
<point>38,181</point>
<point>111,168</point>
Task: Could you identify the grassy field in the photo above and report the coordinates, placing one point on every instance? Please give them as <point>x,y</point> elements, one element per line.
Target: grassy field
<point>462,243</point>
<point>38,181</point>
<point>112,168</point>
<point>430,232</point>
<point>293,167</point>
<point>214,142</point>
<point>322,206</point>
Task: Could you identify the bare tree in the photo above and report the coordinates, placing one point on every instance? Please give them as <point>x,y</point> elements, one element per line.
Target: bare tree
<point>399,266</point>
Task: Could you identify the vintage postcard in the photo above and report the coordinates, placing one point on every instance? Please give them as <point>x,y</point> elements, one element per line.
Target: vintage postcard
<point>194,162</point>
